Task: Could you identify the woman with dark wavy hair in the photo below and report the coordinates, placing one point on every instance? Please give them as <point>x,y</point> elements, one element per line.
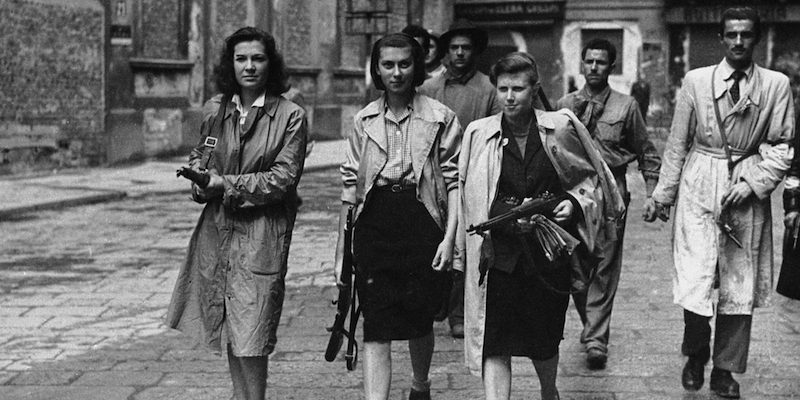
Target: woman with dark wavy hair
<point>229,293</point>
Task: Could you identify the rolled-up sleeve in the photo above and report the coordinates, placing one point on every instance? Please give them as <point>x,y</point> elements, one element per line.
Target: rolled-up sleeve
<point>449,150</point>
<point>639,140</point>
<point>677,147</point>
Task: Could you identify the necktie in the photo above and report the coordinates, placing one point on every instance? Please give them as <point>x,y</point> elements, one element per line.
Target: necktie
<point>737,75</point>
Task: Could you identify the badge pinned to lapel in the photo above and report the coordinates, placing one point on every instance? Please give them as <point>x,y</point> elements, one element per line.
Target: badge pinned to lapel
<point>504,142</point>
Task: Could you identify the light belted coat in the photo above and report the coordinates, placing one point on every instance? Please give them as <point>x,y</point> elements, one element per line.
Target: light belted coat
<point>694,161</point>
<point>435,136</point>
<point>582,172</point>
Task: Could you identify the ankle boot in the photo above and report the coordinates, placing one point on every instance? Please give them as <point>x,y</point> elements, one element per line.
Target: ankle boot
<point>723,384</point>
<point>692,377</point>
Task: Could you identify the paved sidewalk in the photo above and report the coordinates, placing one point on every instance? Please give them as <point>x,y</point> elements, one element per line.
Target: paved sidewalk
<point>74,187</point>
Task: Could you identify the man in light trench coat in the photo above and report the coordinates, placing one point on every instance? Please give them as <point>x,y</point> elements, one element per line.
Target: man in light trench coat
<point>719,203</point>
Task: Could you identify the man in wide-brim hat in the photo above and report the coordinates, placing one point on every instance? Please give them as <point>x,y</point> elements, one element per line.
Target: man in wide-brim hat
<point>469,93</point>
<point>480,39</point>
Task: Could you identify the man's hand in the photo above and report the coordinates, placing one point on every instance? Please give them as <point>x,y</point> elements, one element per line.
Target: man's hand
<point>789,219</point>
<point>654,209</point>
<point>736,195</point>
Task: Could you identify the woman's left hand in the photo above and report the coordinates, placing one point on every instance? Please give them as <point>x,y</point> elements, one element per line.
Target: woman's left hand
<point>563,211</point>
<point>443,260</point>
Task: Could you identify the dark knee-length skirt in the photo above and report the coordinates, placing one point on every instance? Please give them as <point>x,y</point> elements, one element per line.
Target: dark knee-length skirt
<point>522,317</point>
<point>394,242</point>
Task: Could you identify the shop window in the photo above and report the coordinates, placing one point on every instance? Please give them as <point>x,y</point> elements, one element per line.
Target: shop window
<point>612,35</point>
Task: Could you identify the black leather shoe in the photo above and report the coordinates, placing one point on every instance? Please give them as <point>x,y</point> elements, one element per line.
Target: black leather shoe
<point>692,377</point>
<point>415,395</point>
<point>723,384</point>
<point>596,358</point>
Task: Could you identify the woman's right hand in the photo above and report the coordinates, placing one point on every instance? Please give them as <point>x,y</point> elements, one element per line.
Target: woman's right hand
<point>215,186</point>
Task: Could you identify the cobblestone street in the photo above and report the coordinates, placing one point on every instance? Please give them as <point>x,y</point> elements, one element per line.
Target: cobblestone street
<point>83,293</point>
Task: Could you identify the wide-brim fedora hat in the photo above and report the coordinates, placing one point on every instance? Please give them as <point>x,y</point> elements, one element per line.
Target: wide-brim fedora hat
<point>462,26</point>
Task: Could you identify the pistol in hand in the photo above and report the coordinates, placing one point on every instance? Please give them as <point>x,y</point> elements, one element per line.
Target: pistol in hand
<point>200,178</point>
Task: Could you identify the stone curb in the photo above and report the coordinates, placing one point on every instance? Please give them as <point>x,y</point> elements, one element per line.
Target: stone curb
<point>92,197</point>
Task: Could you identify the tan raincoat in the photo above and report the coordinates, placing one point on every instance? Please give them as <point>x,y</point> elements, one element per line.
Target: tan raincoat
<point>583,175</point>
<point>694,161</point>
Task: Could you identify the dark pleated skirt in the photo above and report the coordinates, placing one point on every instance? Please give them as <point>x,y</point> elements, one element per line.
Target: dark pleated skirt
<point>522,317</point>
<point>394,242</point>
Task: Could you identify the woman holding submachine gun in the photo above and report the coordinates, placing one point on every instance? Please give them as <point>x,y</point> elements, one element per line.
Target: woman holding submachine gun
<point>229,293</point>
<point>519,274</point>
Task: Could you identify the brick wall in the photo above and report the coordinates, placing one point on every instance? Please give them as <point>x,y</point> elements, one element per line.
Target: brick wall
<point>51,77</point>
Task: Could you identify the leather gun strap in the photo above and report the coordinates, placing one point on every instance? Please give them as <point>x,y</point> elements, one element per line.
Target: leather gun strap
<point>214,132</point>
<point>721,127</point>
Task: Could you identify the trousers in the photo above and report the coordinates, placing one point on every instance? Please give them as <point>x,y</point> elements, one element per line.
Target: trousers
<point>731,340</point>
<point>595,306</point>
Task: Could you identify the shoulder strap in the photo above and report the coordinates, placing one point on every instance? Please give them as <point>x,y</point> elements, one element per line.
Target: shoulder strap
<point>721,127</point>
<point>214,132</point>
<point>724,136</point>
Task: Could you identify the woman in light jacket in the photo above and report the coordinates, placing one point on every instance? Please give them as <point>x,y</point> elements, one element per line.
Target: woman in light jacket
<point>229,293</point>
<point>401,176</point>
<point>516,302</point>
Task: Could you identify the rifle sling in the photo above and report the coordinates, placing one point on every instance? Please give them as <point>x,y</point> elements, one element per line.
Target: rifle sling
<point>526,249</point>
<point>723,135</point>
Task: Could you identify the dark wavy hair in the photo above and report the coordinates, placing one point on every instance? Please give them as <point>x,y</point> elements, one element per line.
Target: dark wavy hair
<point>601,44</point>
<point>513,63</point>
<point>401,41</point>
<point>744,13</point>
<point>224,75</point>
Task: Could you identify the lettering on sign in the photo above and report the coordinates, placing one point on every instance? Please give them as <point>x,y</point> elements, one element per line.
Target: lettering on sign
<point>511,11</point>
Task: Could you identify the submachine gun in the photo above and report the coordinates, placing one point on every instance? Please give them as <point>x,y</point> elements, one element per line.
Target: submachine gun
<point>543,204</point>
<point>346,303</point>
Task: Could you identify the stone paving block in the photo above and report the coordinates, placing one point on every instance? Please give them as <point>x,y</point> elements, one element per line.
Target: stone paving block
<point>45,378</point>
<point>192,355</point>
<point>778,386</point>
<point>332,379</point>
<point>174,366</point>
<point>119,378</point>
<point>197,379</point>
<point>6,376</point>
<point>180,393</point>
<point>29,354</point>
<point>66,365</point>
<point>603,384</point>
<point>116,355</point>
<point>65,393</point>
<point>24,322</point>
<point>328,394</point>
<point>11,311</point>
<point>59,322</point>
